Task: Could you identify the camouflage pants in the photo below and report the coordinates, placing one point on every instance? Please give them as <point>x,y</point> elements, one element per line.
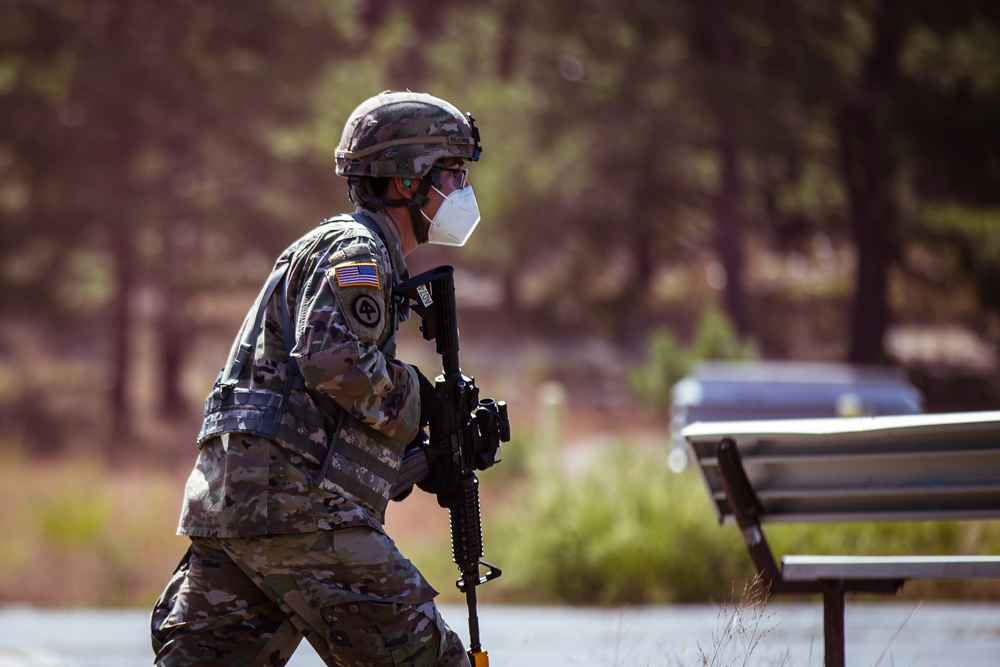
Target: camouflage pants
<point>349,592</point>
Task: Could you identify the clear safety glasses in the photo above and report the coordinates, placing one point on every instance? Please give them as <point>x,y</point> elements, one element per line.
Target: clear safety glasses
<point>456,177</point>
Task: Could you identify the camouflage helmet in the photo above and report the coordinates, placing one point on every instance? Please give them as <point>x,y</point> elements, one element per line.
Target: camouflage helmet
<point>403,134</point>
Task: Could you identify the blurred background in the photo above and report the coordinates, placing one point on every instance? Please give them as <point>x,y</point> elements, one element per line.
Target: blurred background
<point>663,182</point>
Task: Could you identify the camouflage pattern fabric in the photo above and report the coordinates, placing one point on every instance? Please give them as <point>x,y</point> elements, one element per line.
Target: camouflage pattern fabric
<point>281,549</point>
<point>403,134</point>
<point>340,297</point>
<point>250,601</point>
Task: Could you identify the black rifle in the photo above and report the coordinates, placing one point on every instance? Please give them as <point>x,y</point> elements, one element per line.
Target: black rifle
<point>468,435</point>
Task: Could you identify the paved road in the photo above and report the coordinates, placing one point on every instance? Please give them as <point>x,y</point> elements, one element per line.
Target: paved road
<point>888,634</point>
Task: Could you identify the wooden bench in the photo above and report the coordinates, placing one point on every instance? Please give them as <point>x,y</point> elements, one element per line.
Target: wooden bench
<point>906,468</point>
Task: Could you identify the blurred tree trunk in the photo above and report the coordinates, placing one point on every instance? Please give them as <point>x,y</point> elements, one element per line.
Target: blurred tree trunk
<point>122,325</point>
<point>729,227</point>
<point>510,18</point>
<point>864,128</point>
<point>92,93</point>
<point>170,330</point>
<point>171,321</point>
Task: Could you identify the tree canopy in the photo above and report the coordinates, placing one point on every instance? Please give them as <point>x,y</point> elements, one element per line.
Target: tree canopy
<point>641,157</point>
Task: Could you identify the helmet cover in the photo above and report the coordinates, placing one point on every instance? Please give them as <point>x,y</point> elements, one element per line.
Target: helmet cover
<point>403,134</point>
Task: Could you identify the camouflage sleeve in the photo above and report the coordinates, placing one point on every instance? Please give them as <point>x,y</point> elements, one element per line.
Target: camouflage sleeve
<point>341,322</point>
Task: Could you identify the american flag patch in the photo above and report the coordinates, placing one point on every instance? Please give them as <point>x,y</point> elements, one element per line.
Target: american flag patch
<point>350,275</point>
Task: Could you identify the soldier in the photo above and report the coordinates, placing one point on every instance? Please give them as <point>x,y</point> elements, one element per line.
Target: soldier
<point>306,426</point>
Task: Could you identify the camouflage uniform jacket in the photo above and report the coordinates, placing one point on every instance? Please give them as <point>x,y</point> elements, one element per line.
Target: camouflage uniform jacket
<point>338,292</point>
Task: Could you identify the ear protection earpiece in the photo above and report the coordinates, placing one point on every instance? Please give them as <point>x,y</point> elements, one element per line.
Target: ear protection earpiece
<point>406,182</point>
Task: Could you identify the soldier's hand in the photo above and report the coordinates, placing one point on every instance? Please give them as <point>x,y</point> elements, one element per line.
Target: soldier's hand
<point>442,480</point>
<point>430,402</point>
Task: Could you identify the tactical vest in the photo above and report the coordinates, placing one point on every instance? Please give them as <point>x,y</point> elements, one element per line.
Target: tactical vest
<point>232,408</point>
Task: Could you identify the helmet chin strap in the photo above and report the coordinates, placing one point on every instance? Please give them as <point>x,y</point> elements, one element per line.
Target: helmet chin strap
<point>417,202</point>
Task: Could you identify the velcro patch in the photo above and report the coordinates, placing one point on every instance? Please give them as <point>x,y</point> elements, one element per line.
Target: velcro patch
<point>361,273</point>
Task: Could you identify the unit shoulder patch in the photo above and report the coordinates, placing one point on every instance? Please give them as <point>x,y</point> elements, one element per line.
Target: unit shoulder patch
<point>367,311</point>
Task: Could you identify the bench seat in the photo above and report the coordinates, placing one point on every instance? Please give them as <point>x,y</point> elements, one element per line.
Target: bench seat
<point>813,568</point>
<point>937,467</point>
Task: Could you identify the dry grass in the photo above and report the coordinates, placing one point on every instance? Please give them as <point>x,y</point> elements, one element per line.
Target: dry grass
<point>743,624</point>
<point>79,535</point>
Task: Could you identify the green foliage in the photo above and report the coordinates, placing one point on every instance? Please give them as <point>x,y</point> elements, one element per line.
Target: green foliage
<point>160,144</point>
<point>980,227</point>
<point>880,538</point>
<point>518,459</point>
<point>626,531</point>
<point>138,118</point>
<point>907,538</point>
<point>669,360</point>
<point>72,520</point>
<point>82,534</point>
<point>716,339</point>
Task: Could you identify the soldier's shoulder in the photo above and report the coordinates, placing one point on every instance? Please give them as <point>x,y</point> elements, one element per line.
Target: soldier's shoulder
<point>350,225</point>
<point>335,239</point>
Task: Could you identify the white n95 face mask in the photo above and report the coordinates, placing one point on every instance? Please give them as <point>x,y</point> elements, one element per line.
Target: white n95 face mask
<point>455,219</point>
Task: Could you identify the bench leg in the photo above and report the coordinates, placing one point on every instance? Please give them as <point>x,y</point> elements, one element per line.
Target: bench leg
<point>833,626</point>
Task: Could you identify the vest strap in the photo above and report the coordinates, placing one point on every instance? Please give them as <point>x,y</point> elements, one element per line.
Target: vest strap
<point>248,340</point>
